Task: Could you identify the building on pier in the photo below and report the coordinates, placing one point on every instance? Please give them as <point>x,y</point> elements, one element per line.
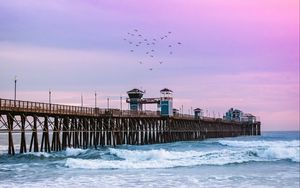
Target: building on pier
<point>234,115</point>
<point>198,113</point>
<point>249,118</point>
<point>240,116</point>
<point>166,102</point>
<point>135,96</point>
<point>175,112</point>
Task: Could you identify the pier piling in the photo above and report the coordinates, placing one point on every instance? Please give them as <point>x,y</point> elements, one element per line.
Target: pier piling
<point>61,126</point>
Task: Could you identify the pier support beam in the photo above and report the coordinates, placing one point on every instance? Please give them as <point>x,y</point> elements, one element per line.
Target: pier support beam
<point>23,139</point>
<point>11,148</point>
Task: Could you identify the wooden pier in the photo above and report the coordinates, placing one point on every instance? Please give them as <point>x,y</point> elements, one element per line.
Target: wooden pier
<point>54,127</point>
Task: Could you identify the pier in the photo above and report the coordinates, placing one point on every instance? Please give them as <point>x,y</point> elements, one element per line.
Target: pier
<point>54,127</point>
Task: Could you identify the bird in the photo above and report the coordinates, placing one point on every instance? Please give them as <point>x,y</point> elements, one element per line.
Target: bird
<point>139,41</point>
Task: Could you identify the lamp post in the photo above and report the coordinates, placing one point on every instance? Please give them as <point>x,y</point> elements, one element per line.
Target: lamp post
<point>182,109</point>
<point>95,99</point>
<point>121,103</point>
<point>15,96</point>
<point>108,103</point>
<point>81,100</point>
<point>49,96</point>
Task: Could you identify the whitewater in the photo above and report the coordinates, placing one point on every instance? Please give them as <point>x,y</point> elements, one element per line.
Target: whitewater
<point>270,160</point>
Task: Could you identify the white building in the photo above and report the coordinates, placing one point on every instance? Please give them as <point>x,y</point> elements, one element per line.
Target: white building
<point>249,118</point>
<point>238,115</point>
<point>234,115</point>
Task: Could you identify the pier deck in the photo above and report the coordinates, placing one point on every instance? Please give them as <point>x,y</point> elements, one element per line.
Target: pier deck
<point>54,127</point>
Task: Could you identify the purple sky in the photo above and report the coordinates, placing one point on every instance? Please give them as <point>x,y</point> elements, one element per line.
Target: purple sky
<point>241,54</point>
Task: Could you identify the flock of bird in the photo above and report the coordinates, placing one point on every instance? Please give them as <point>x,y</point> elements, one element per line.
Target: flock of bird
<point>150,50</point>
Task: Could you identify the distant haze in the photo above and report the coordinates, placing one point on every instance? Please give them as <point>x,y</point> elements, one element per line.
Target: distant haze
<point>241,54</point>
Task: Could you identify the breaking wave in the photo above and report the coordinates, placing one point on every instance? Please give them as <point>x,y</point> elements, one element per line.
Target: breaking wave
<point>69,152</point>
<point>234,152</point>
<point>260,143</point>
<point>272,150</point>
<point>74,151</point>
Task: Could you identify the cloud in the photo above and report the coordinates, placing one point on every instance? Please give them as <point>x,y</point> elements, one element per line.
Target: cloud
<point>234,53</point>
<point>38,65</point>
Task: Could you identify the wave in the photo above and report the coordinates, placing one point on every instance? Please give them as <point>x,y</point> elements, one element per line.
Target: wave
<point>269,149</point>
<point>238,152</point>
<point>38,154</point>
<point>74,151</point>
<point>161,159</point>
<point>69,152</point>
<point>226,152</point>
<point>260,143</point>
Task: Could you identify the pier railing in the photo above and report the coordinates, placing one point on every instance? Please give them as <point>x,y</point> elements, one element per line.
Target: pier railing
<point>57,127</point>
<point>47,108</point>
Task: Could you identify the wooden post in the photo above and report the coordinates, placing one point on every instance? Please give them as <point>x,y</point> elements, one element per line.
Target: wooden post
<point>34,137</point>
<point>11,148</point>
<point>23,139</point>
<point>65,133</point>
<point>46,132</point>
<point>45,145</point>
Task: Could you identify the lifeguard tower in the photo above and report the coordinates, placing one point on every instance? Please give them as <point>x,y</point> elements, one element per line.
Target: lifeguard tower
<point>166,102</point>
<point>135,96</point>
<point>198,113</point>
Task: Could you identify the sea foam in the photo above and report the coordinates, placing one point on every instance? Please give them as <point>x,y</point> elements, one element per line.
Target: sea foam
<point>272,150</point>
<point>233,152</point>
<point>74,152</point>
<point>160,159</point>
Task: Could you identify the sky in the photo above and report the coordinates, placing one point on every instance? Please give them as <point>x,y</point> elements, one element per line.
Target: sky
<point>233,53</point>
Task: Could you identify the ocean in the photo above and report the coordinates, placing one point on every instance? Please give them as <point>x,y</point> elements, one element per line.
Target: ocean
<point>269,160</point>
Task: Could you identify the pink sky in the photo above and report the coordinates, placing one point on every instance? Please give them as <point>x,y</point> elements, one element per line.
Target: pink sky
<point>241,54</point>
